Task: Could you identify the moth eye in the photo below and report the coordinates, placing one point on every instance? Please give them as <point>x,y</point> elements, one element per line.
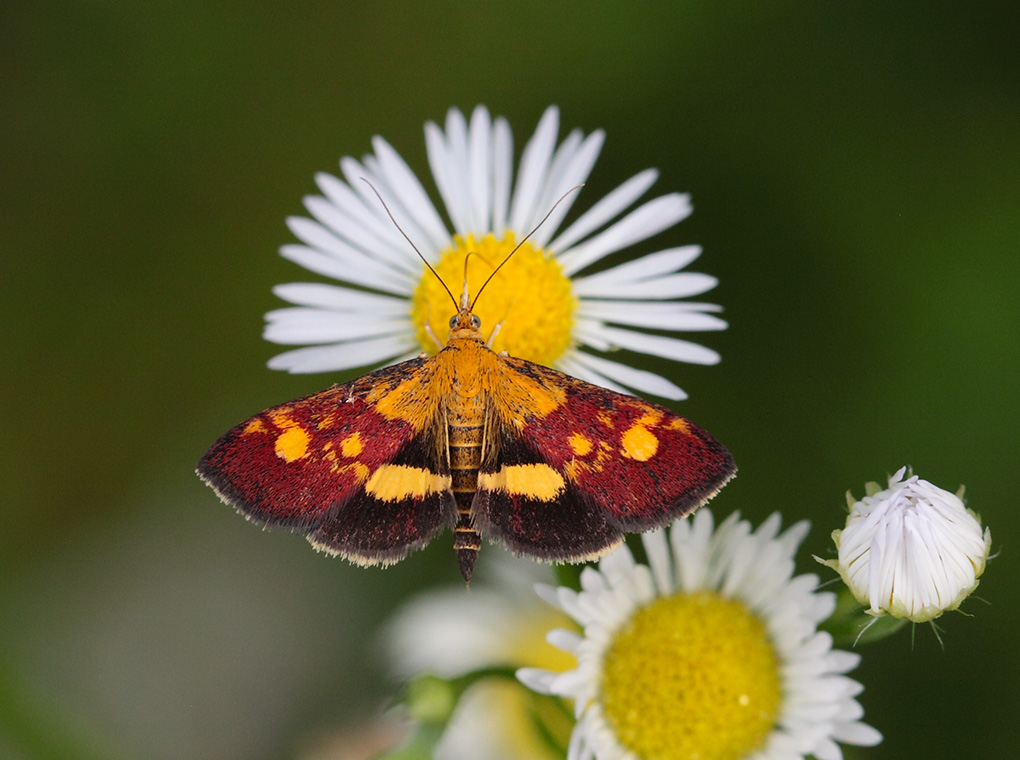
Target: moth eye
<point>475,322</point>
<point>453,321</point>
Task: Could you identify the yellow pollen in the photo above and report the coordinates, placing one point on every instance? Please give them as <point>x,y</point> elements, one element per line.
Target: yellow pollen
<point>530,295</point>
<point>691,677</point>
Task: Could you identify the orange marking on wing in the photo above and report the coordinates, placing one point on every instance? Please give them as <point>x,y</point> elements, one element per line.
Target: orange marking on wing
<point>639,443</point>
<point>580,445</point>
<point>292,443</point>
<point>517,396</point>
<point>351,446</point>
<point>679,423</point>
<point>255,426</point>
<point>417,399</point>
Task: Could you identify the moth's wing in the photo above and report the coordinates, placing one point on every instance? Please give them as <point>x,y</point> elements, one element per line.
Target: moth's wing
<point>358,469</point>
<point>569,467</point>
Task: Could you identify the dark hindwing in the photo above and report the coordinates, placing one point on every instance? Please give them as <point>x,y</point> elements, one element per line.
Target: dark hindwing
<point>587,465</point>
<point>308,466</point>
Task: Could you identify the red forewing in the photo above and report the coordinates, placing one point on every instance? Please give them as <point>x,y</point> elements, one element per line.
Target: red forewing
<point>572,479</point>
<point>304,465</point>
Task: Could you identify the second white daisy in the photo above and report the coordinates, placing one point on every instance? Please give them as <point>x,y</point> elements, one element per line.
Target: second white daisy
<point>550,312</point>
<point>712,650</point>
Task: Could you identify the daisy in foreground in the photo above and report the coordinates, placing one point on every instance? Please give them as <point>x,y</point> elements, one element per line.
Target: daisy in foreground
<point>711,651</point>
<point>550,307</point>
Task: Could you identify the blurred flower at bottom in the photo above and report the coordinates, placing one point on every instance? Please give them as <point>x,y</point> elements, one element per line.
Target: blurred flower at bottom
<point>475,638</point>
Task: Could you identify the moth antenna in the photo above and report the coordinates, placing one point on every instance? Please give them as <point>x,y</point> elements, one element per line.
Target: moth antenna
<point>465,297</point>
<point>411,242</point>
<point>523,241</point>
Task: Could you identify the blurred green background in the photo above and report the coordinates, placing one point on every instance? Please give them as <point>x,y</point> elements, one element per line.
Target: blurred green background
<point>855,170</point>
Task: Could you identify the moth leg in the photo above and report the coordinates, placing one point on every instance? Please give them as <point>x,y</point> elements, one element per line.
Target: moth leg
<point>495,332</point>
<point>432,334</point>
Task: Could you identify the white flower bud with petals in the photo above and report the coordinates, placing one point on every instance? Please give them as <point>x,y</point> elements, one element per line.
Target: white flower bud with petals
<point>912,551</point>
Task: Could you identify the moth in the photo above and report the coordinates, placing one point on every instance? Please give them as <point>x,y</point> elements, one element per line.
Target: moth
<point>492,446</point>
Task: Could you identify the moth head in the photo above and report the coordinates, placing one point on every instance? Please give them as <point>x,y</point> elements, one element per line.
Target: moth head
<point>464,324</point>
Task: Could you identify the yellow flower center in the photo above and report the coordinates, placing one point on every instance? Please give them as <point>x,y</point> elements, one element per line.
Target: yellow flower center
<point>691,677</point>
<point>530,296</point>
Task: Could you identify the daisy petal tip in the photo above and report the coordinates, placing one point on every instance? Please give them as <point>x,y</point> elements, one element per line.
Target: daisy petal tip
<point>536,679</point>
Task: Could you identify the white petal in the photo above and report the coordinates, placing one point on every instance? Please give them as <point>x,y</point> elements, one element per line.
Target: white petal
<point>544,200</point>
<point>606,209</point>
<point>460,164</point>
<point>589,332</point>
<point>574,173</point>
<point>660,345</point>
<point>572,367</point>
<point>443,631</point>
<point>680,285</point>
<point>342,355</point>
<point>537,680</point>
<point>638,379</point>
<point>319,237</point>
<point>405,185</point>
<point>359,236</point>
<point>640,224</point>
<point>826,749</point>
<point>362,178</point>
<point>337,298</point>
<point>859,734</point>
<point>534,167</point>
<point>563,639</point>
<point>661,316</point>
<point>480,162</point>
<point>449,179</point>
<point>355,207</point>
<point>502,174</point>
<point>297,325</point>
<point>648,267</point>
<point>330,266</point>
<point>657,551</point>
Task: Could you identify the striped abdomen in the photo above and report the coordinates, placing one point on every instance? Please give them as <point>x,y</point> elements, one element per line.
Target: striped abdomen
<point>465,440</point>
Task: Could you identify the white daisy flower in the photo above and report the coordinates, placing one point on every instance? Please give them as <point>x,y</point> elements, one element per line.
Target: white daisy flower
<point>551,310</point>
<point>712,650</point>
<point>500,624</point>
<point>912,551</point>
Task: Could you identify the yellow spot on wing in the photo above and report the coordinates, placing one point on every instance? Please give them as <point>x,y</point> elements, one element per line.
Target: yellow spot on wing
<point>351,446</point>
<point>292,443</point>
<point>536,481</point>
<point>416,399</point>
<point>517,395</point>
<point>396,482</point>
<point>579,444</point>
<point>255,426</point>
<point>679,423</point>
<point>639,443</point>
